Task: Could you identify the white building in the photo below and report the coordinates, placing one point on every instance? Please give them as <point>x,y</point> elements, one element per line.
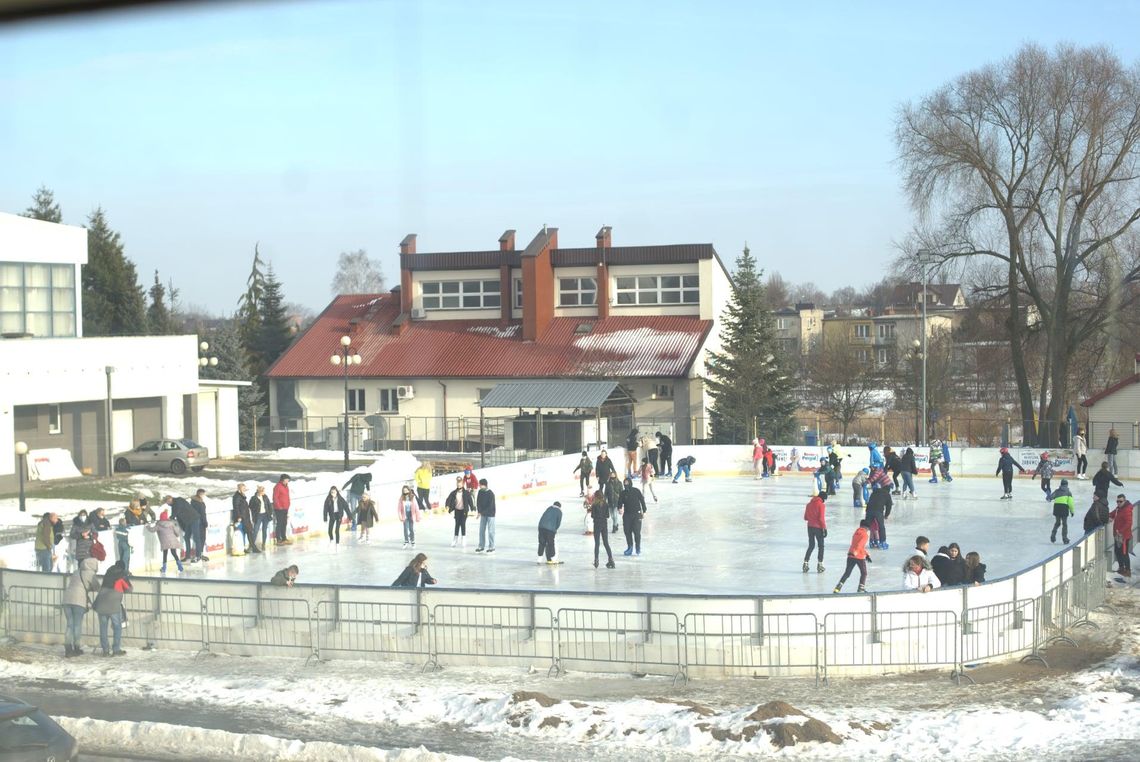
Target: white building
<point>89,396</point>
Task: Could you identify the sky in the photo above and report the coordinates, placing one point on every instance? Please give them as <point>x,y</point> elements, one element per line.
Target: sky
<point>312,128</point>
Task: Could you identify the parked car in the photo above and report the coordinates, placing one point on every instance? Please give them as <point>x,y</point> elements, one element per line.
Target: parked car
<point>174,455</point>
<point>27,734</point>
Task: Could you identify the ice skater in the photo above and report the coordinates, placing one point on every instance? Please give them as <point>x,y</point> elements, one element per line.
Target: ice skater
<point>1005,467</point>
<point>666,446</point>
<point>632,509</point>
<point>460,503</point>
<point>648,472</point>
<point>878,509</point>
<point>876,458</point>
<point>934,455</point>
<point>825,476</point>
<point>584,468</point>
<point>857,555</point>
<point>815,514</point>
<point>757,458</point>
<point>835,456</point>
<point>415,574</point>
<point>685,466</point>
<point>1045,471</point>
<point>1101,479</point>
<point>1081,451</point>
<point>1062,510</point>
<point>408,511</point>
<point>894,465</point>
<point>547,529</point>
<point>367,516</point>
<point>613,498</point>
<point>859,489</point>
<point>944,464</point>
<point>909,470</point>
<point>335,508</point>
<point>600,515</point>
<point>1110,448</point>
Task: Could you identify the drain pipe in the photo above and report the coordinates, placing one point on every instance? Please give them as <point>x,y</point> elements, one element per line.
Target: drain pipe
<point>444,410</point>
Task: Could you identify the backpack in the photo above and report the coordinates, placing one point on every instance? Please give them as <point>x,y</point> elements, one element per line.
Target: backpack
<point>98,552</point>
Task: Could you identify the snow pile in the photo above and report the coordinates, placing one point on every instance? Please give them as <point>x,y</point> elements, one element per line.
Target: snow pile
<point>174,741</point>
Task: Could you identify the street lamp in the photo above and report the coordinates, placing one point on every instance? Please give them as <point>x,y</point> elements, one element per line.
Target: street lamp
<point>344,359</point>
<point>22,453</point>
<point>925,257</point>
<point>917,354</point>
<point>204,360</point>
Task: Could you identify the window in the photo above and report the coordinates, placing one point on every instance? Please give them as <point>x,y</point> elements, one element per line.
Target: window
<point>663,391</point>
<point>862,331</point>
<point>38,299</point>
<point>863,355</point>
<point>577,292</point>
<point>886,330</point>
<point>356,401</point>
<point>518,293</point>
<point>149,446</point>
<point>782,324</point>
<point>884,357</point>
<point>482,393</point>
<point>461,294</point>
<point>658,289</point>
<point>168,445</point>
<point>389,402</point>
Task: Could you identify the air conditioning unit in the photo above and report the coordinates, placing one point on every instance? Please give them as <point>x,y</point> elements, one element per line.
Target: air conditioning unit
<point>418,313</point>
<point>405,393</point>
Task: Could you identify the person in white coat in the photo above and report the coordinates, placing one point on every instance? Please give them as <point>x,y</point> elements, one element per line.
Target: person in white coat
<point>918,576</point>
<point>1081,453</point>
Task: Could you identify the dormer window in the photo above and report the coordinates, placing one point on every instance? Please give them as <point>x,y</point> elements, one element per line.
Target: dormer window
<point>461,294</point>
<point>577,292</point>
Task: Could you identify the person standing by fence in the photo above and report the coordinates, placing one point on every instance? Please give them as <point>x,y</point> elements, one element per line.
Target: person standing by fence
<point>260,509</point>
<point>857,556</point>
<point>198,503</point>
<point>240,519</point>
<point>187,518</point>
<point>333,513</point>
<point>1122,535</point>
<point>109,607</point>
<point>485,505</point>
<point>415,574</point>
<point>1081,452</point>
<point>815,514</point>
<point>76,601</point>
<point>1110,448</point>
<point>459,503</point>
<point>45,546</point>
<point>1062,510</point>
<point>547,530</point>
<point>281,511</point>
<point>123,543</point>
<point>408,512</point>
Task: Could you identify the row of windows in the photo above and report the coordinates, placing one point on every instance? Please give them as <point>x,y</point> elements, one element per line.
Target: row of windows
<point>863,330</point>
<point>38,299</point>
<point>572,292</point>
<point>388,401</point>
<point>882,356</point>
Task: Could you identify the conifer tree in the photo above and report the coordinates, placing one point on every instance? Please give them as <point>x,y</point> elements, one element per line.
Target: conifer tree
<point>160,320</point>
<point>747,377</point>
<point>275,336</point>
<point>44,206</point>
<point>233,364</point>
<point>249,312</point>
<point>113,301</point>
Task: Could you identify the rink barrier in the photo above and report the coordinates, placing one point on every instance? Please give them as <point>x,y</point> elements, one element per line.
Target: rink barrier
<point>676,635</point>
<point>361,629</point>
<point>519,635</point>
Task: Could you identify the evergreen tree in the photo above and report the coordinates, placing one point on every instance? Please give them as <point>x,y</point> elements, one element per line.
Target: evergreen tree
<point>748,377</point>
<point>113,301</point>
<point>249,312</point>
<point>44,206</point>
<point>233,364</point>
<point>159,318</point>
<point>275,335</point>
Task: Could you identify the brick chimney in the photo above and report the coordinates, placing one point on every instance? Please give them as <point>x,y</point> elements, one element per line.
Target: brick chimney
<point>507,300</point>
<point>407,248</point>
<point>603,276</point>
<point>538,284</point>
<point>408,245</point>
<point>507,241</point>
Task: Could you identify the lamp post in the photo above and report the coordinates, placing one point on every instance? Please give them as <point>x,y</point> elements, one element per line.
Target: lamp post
<point>344,359</point>
<point>917,355</point>
<point>924,257</point>
<point>204,360</point>
<point>22,453</point>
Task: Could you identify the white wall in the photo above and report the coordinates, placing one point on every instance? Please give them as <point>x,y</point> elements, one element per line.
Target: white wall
<point>28,240</point>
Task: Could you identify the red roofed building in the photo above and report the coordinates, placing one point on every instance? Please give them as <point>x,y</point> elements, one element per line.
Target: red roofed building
<point>460,322</point>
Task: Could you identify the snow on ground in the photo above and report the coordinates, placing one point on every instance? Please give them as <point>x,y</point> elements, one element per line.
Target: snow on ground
<point>1092,714</point>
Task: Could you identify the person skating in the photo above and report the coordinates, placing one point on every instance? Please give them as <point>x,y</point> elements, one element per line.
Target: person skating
<point>1045,470</point>
<point>665,443</point>
<point>1102,478</point>
<point>333,512</point>
<point>1081,452</point>
<point>1110,450</point>
<point>685,467</point>
<point>584,468</point>
<point>879,506</point>
<point>944,464</point>
<point>770,461</point>
<point>408,511</point>
<point>857,556</point>
<point>647,472</point>
<point>169,538</point>
<point>874,456</point>
<point>894,465</point>
<point>603,469</point>
<point>859,488</point>
<point>599,512</point>
<point>825,476</point>
<point>757,458</point>
<point>76,601</point>
<point>354,490</point>
<point>485,505</point>
<point>815,514</point>
<point>281,511</point>
<point>415,574</point>
<point>909,471</point>
<point>1062,510</point>
<point>1122,535</point>
<point>934,455</point>
<point>422,478</point>
<point>835,458</point>
<point>613,499</point>
<point>460,503</point>
<point>1005,467</point>
<point>547,530</point>
<point>632,509</point>
<point>367,516</point>
<point>183,512</point>
<point>631,452</point>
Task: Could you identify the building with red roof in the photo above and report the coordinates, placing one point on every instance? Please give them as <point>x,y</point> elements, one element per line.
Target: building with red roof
<point>1116,408</point>
<point>459,322</point>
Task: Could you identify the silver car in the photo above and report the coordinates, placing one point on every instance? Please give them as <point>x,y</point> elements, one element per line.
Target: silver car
<point>173,455</point>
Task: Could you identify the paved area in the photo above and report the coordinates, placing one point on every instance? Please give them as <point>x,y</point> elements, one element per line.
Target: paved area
<point>723,535</point>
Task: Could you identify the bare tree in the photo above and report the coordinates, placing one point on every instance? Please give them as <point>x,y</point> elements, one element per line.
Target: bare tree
<point>357,274</point>
<point>1034,163</point>
<point>808,292</point>
<point>776,292</point>
<point>840,385</point>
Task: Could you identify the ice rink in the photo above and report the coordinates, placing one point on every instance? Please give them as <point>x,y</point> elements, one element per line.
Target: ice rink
<point>714,535</point>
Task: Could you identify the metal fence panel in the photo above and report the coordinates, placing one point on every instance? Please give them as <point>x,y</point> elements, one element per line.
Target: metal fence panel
<point>643,642</point>
<point>354,629</point>
<point>245,625</point>
<point>518,634</point>
<point>894,639</point>
<point>752,644</point>
<point>997,630</point>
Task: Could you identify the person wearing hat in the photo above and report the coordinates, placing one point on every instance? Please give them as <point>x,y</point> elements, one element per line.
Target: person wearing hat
<point>1062,510</point>
<point>1045,470</point>
<point>934,455</point>
<point>547,528</point>
<point>1005,467</point>
<point>281,511</point>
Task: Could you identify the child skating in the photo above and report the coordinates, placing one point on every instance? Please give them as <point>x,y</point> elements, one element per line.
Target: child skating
<point>859,489</point>
<point>1045,471</point>
<point>1005,467</point>
<point>857,556</point>
<point>935,457</point>
<point>1062,510</point>
<point>815,514</point>
<point>647,473</point>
